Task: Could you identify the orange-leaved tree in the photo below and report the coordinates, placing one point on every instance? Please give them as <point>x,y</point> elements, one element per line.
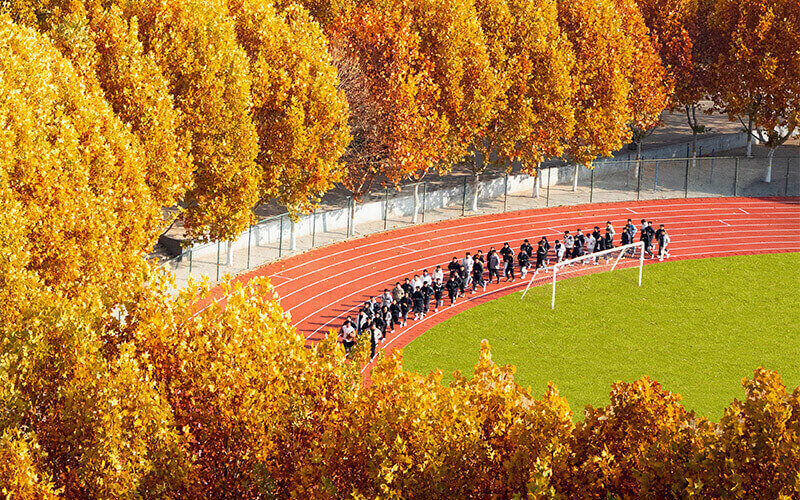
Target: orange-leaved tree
<point>755,72</point>
<point>396,127</point>
<point>430,92</point>
<point>601,86</point>
<point>679,32</point>
<point>533,60</point>
<point>650,89</point>
<point>299,113</point>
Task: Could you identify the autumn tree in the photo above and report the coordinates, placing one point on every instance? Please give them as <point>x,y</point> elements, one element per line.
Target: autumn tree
<point>396,127</point>
<point>601,87</point>
<point>325,12</point>
<point>755,73</point>
<point>680,34</point>
<point>755,451</point>
<point>299,113</point>
<point>445,92</point>
<point>75,172</point>
<point>534,61</point>
<point>108,55</point>
<point>650,90</point>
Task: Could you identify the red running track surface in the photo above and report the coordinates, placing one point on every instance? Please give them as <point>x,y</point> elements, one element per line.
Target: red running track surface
<point>321,287</point>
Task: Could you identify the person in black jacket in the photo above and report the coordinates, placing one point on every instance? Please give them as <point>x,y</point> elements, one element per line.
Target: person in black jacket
<point>508,262</point>
<point>599,244</point>
<point>524,260</point>
<point>426,298</point>
<point>477,276</point>
<point>527,248</point>
<point>648,233</point>
<point>407,288</point>
<point>417,299</point>
<point>438,291</point>
<point>452,289</point>
<point>580,241</point>
<point>397,313</point>
<point>462,280</point>
<point>453,266</point>
<point>406,305</point>
<point>541,255</point>
<point>479,257</point>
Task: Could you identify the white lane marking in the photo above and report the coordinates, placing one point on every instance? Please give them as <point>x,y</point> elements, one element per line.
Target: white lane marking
<point>724,222</point>
<point>743,210</point>
<point>404,248</point>
<point>567,210</point>
<point>678,247</point>
<point>631,211</point>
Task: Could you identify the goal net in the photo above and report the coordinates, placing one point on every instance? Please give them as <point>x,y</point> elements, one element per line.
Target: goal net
<point>622,257</point>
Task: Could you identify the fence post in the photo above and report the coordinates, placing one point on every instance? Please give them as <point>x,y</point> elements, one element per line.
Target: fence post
<point>424,197</point>
<point>249,238</point>
<point>711,178</point>
<point>547,203</point>
<point>314,228</point>
<point>505,193</point>
<point>686,178</point>
<point>736,177</point>
<point>786,186</point>
<point>190,261</point>
<point>464,197</point>
<point>218,245</point>
<point>280,239</point>
<point>385,208</point>
<point>639,184</point>
<point>591,185</point>
<point>655,181</point>
<point>349,214</point>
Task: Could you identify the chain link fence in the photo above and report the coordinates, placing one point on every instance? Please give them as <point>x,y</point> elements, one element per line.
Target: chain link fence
<point>276,237</point>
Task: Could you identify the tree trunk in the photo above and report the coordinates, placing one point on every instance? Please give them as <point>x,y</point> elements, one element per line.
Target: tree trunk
<point>475,179</point>
<point>292,236</point>
<point>749,136</point>
<point>537,183</point>
<point>575,179</point>
<point>229,253</point>
<point>768,175</point>
<point>414,216</point>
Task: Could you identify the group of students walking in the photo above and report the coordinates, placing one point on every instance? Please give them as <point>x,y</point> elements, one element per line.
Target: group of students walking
<point>415,297</point>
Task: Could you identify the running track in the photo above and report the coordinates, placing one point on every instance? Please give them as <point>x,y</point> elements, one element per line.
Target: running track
<point>321,287</point>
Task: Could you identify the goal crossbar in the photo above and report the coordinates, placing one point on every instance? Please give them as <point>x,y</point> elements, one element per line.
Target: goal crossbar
<point>622,250</point>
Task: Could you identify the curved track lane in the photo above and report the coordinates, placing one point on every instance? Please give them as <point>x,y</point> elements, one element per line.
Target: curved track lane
<point>321,287</point>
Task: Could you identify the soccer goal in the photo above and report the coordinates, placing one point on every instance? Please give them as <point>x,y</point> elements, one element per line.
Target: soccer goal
<point>622,257</point>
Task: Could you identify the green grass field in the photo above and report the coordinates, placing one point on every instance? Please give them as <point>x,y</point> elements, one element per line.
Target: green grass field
<point>697,326</point>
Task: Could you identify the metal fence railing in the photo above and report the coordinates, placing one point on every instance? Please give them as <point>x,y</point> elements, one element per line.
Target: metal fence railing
<point>279,236</point>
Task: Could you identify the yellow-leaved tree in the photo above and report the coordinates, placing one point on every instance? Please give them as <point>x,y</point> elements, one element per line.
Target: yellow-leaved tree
<point>194,44</point>
<point>105,50</point>
<point>650,88</point>
<point>75,171</point>
<point>600,79</point>
<point>299,113</point>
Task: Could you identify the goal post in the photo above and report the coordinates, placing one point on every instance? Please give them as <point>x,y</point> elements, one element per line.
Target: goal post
<point>624,256</point>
